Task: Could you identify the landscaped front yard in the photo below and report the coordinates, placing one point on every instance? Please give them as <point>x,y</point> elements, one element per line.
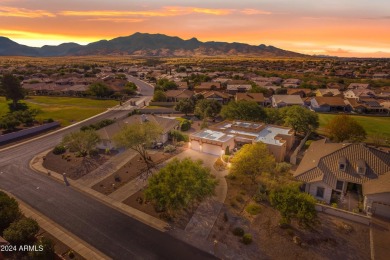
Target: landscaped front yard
<point>333,238</point>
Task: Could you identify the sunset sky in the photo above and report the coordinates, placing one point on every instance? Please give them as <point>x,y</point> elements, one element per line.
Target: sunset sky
<point>333,27</point>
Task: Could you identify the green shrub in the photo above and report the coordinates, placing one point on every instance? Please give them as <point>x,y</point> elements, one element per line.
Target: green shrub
<point>59,149</point>
<point>239,198</point>
<point>334,205</point>
<point>284,223</point>
<point>179,136</point>
<point>247,239</point>
<point>253,209</point>
<point>169,148</point>
<point>185,125</point>
<point>238,231</point>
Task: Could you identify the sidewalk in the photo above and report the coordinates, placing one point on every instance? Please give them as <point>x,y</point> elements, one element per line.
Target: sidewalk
<point>81,247</point>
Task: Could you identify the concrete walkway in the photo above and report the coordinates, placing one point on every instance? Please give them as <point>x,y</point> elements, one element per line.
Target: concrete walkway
<point>380,238</point>
<point>81,247</point>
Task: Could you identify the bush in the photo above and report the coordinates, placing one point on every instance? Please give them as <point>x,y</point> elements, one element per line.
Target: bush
<point>21,232</point>
<point>238,231</point>
<point>185,125</point>
<point>59,149</point>
<point>247,239</point>
<point>284,223</point>
<point>253,209</point>
<point>179,136</point>
<point>169,148</point>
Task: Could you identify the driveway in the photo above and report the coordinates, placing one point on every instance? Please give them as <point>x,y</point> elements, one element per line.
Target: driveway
<point>207,213</point>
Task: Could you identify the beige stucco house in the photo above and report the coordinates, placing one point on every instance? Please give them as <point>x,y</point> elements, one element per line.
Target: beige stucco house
<point>233,134</point>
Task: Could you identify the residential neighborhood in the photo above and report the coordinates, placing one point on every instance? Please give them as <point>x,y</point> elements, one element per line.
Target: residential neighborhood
<point>209,157</point>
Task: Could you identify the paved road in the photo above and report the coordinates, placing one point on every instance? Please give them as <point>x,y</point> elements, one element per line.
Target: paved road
<point>113,233</point>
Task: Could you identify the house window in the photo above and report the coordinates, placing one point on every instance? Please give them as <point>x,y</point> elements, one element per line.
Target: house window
<point>339,185</point>
<point>342,166</point>
<point>320,192</point>
<point>361,170</point>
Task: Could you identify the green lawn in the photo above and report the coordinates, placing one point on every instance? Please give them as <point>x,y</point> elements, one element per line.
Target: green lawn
<point>66,110</point>
<point>374,126</point>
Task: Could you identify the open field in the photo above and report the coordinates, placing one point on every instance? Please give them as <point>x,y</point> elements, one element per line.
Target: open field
<point>66,110</point>
<point>374,126</point>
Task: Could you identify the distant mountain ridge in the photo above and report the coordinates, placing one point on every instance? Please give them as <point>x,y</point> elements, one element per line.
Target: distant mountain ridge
<point>144,44</point>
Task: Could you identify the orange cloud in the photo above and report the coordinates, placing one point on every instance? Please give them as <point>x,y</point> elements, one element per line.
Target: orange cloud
<point>165,11</point>
<point>116,20</point>
<point>22,12</point>
<point>249,11</point>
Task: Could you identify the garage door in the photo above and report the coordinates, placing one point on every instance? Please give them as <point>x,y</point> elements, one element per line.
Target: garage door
<point>381,209</point>
<point>195,145</point>
<point>212,149</point>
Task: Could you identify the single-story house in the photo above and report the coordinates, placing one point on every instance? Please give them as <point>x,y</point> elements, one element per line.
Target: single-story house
<point>327,169</point>
<point>257,97</point>
<point>327,104</point>
<point>207,86</point>
<point>234,134</point>
<point>302,92</point>
<point>286,100</point>
<point>328,92</point>
<point>221,97</point>
<point>358,86</point>
<point>359,93</point>
<point>107,133</point>
<point>178,94</point>
<point>233,89</point>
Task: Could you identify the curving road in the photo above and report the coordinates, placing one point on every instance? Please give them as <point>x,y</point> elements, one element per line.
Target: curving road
<point>113,233</point>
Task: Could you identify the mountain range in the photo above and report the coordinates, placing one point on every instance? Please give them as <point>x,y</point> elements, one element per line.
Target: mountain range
<point>144,44</point>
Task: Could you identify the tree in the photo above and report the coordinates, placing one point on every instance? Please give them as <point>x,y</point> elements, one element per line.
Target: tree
<point>9,122</point>
<point>179,184</point>
<point>344,128</point>
<point>281,91</point>
<point>291,203</point>
<point>159,96</point>
<point>130,88</point>
<point>300,119</point>
<point>252,160</point>
<point>47,252</point>
<point>140,137</point>
<point>243,110</point>
<point>21,232</point>
<point>9,211</point>
<point>12,89</point>
<point>185,106</point>
<point>27,117</point>
<point>207,108</point>
<point>273,116</point>
<point>99,89</point>
<point>165,84</point>
<point>82,142</point>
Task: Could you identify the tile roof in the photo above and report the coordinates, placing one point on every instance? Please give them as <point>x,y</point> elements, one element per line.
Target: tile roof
<point>380,185</point>
<point>321,163</point>
<point>331,101</point>
<point>288,99</point>
<point>257,97</point>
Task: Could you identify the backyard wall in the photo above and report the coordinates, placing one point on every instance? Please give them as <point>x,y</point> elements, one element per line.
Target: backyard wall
<point>343,214</point>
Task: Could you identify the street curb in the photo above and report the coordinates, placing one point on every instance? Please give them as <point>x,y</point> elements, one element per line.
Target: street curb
<point>75,243</point>
<point>114,204</point>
